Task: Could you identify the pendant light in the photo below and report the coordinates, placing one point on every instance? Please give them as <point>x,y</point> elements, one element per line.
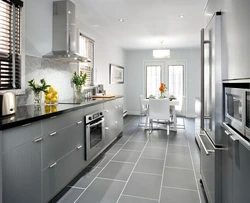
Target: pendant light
<point>161,52</point>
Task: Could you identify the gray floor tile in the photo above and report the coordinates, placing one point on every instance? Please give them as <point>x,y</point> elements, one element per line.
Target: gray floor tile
<point>143,185</point>
<point>154,166</point>
<point>202,192</point>
<point>128,119</point>
<point>179,178</point>
<point>178,140</point>
<point>87,178</point>
<point>128,199</point>
<point>170,195</point>
<point>122,140</point>
<point>117,171</point>
<point>158,134</point>
<point>197,171</point>
<point>106,159</point>
<point>114,149</point>
<point>139,136</point>
<point>176,149</point>
<point>71,195</point>
<point>157,143</point>
<point>102,191</point>
<point>134,146</point>
<point>127,156</point>
<point>154,153</point>
<point>129,130</point>
<point>179,161</point>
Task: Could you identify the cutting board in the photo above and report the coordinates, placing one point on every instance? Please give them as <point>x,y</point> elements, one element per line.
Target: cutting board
<point>103,96</point>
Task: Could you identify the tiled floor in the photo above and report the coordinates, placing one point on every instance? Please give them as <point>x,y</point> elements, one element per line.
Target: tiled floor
<point>143,168</point>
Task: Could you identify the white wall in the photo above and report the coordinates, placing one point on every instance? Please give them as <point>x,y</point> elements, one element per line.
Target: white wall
<point>37,31</point>
<point>135,70</point>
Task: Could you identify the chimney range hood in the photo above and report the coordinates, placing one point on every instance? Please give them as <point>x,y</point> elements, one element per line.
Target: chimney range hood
<point>64,33</point>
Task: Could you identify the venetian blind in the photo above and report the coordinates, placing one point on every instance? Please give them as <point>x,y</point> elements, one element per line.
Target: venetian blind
<point>10,44</point>
<point>86,48</point>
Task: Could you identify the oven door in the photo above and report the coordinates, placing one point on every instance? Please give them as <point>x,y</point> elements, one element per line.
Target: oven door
<point>235,108</point>
<point>94,137</point>
<point>247,127</point>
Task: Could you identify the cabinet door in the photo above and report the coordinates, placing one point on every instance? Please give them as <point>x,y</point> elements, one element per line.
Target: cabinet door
<point>227,167</point>
<point>241,169</point>
<point>22,173</point>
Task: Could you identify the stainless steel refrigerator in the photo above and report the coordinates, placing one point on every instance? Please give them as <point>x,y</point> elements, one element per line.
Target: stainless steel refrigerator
<point>211,109</point>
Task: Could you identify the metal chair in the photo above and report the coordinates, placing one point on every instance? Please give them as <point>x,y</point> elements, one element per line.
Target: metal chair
<point>159,111</point>
<point>143,109</point>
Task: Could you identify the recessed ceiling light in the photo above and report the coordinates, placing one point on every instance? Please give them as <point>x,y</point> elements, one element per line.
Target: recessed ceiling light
<point>121,20</point>
<point>181,16</point>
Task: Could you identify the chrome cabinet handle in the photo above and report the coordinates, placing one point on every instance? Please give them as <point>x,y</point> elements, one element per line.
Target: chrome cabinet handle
<point>227,132</point>
<point>52,134</point>
<point>204,147</point>
<point>116,107</point>
<point>119,106</point>
<point>106,128</point>
<point>38,139</point>
<point>107,111</point>
<point>27,124</point>
<point>52,165</point>
<point>96,123</point>
<point>234,139</point>
<point>79,122</point>
<point>79,147</point>
<point>53,117</point>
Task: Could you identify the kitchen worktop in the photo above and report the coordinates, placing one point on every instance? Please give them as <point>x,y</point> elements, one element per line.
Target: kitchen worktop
<point>31,113</point>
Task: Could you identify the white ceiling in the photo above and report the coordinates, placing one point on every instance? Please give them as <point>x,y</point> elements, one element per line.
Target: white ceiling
<point>147,22</point>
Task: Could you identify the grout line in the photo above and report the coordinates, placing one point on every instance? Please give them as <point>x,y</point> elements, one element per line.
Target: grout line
<point>157,147</point>
<point>163,173</point>
<point>102,169</point>
<point>138,141</point>
<point>129,122</point>
<point>130,174</point>
<point>176,188</point>
<point>178,154</point>
<point>146,157</point>
<point>181,145</point>
<point>124,162</point>
<point>193,169</point>
<point>189,169</point>
<point>131,150</point>
<point>140,197</point>
<point>153,174</point>
<point>80,188</point>
<point>111,179</point>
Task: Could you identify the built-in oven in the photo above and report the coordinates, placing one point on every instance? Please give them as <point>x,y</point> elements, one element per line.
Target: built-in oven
<point>94,133</point>
<point>235,108</point>
<point>247,127</point>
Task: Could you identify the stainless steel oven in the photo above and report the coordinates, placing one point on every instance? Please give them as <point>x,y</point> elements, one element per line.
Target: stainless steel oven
<point>247,126</point>
<point>95,133</point>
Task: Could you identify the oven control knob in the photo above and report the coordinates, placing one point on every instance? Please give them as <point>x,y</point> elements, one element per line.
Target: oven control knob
<point>90,118</point>
<point>101,113</point>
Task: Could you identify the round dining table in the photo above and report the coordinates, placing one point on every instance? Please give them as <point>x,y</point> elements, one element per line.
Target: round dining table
<point>172,104</point>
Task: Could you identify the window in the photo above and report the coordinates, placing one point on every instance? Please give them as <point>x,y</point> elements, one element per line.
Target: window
<point>176,82</point>
<point>10,44</point>
<point>86,48</point>
<point>153,79</point>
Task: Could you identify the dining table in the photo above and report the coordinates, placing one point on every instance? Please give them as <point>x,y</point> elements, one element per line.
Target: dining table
<point>172,104</point>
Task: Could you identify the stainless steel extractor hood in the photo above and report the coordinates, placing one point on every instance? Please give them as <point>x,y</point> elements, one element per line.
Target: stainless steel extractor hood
<point>64,46</point>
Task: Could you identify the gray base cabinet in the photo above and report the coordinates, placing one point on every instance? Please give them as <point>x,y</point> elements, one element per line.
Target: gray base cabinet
<point>22,179</point>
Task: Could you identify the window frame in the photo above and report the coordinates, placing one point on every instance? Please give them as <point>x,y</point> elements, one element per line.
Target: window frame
<point>16,50</point>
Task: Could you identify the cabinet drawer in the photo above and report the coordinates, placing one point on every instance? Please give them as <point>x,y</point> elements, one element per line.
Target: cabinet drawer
<point>19,135</point>
<point>58,122</point>
<point>61,142</point>
<point>109,104</point>
<point>61,173</point>
<point>109,115</point>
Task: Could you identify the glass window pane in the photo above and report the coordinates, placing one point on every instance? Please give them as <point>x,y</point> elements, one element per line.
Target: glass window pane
<point>153,80</point>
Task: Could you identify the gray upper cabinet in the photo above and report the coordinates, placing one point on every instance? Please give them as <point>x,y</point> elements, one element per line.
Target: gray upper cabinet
<point>211,7</point>
<point>22,164</point>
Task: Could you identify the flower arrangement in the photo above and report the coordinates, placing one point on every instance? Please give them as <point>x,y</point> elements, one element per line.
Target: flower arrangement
<point>163,88</point>
<point>36,87</point>
<point>79,80</point>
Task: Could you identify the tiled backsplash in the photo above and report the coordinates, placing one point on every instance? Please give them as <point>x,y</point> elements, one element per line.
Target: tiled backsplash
<point>57,74</point>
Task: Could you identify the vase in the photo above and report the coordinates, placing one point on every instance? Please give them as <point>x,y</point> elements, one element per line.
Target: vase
<point>78,92</point>
<point>162,95</point>
<point>37,97</point>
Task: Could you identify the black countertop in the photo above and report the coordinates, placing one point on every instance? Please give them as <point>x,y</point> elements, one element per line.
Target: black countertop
<point>31,113</point>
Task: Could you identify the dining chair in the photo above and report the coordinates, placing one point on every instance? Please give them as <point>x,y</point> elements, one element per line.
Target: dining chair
<point>159,111</point>
<point>143,109</point>
<point>181,113</point>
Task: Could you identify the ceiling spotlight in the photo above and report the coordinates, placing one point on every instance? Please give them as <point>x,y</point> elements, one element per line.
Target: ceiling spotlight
<point>181,16</point>
<point>121,20</point>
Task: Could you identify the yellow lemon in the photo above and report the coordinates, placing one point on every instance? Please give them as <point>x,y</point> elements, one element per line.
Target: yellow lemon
<point>47,109</point>
<point>47,101</point>
<point>53,100</point>
<point>51,89</point>
<point>48,96</point>
<point>54,92</point>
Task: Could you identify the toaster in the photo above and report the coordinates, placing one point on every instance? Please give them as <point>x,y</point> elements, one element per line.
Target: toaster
<point>7,103</point>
